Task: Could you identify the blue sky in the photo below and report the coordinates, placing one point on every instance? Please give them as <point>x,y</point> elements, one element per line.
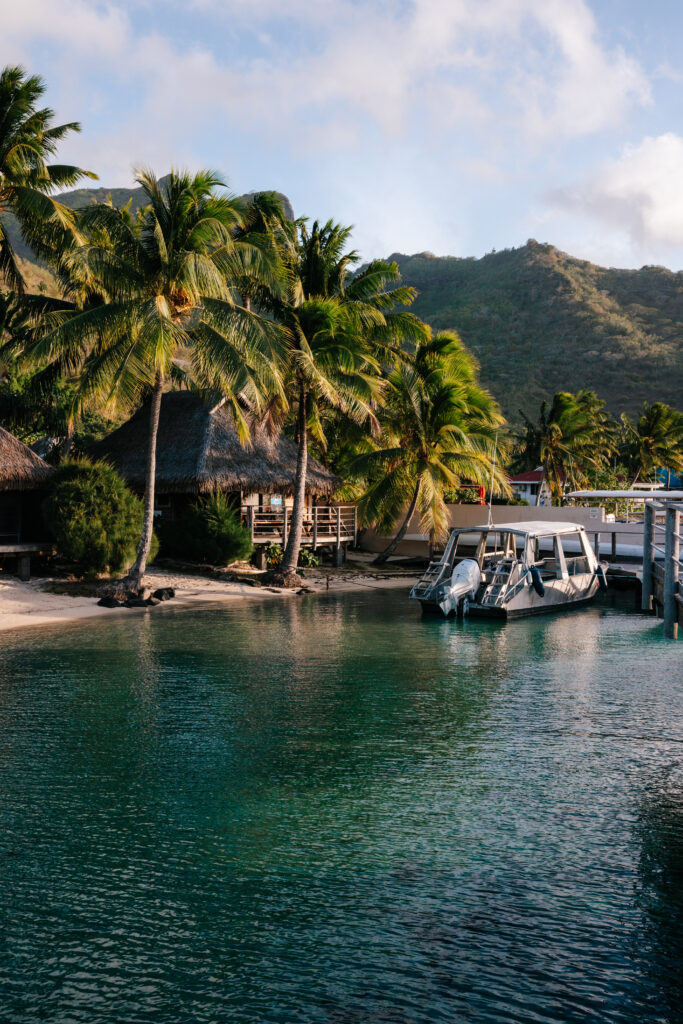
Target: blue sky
<point>456,126</point>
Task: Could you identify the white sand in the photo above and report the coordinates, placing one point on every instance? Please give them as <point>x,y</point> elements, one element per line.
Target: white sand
<point>30,604</point>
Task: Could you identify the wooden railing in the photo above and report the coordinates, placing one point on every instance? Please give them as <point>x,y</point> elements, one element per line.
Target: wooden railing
<point>323,525</point>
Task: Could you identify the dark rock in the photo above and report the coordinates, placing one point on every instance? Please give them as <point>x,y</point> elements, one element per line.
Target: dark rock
<point>164,594</point>
<point>135,602</point>
<point>109,602</point>
<point>143,593</point>
<point>152,601</point>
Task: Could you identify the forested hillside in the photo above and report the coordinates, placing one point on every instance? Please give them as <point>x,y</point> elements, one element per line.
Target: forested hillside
<point>540,321</point>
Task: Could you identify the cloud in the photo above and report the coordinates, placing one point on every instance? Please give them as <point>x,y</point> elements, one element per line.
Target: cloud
<point>638,194</point>
<point>345,64</point>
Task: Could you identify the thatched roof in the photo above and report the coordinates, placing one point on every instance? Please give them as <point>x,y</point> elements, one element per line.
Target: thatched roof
<point>20,468</point>
<point>198,450</point>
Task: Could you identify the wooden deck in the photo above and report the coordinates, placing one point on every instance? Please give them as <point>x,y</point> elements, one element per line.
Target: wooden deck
<point>23,551</point>
<point>324,525</point>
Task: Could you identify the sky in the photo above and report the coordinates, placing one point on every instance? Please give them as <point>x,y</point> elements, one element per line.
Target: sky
<point>452,126</point>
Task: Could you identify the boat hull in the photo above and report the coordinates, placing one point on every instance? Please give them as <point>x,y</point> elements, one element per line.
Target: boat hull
<point>559,595</point>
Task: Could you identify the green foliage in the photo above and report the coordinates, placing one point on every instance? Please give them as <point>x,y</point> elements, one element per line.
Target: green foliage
<point>94,518</point>
<point>573,438</point>
<point>462,496</point>
<point>28,139</point>
<point>540,321</point>
<point>273,553</point>
<point>654,441</point>
<point>308,559</point>
<point>438,429</point>
<point>209,531</point>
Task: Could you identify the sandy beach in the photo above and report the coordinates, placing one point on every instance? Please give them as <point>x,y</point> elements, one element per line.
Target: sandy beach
<point>35,604</point>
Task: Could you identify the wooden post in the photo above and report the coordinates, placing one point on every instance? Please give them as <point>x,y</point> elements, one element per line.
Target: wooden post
<point>338,526</point>
<point>251,521</point>
<point>596,545</point>
<point>613,556</point>
<point>648,556</point>
<point>24,567</point>
<point>315,527</point>
<point>284,525</point>
<point>671,556</point>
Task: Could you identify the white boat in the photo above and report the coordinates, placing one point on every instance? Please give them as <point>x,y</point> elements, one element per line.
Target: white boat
<point>512,570</point>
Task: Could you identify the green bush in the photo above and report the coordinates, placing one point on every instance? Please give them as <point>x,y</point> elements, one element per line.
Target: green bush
<point>209,531</point>
<point>308,559</point>
<point>94,519</point>
<point>273,553</point>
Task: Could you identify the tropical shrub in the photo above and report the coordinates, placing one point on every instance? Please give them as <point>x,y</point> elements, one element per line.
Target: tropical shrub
<point>308,559</point>
<point>273,553</point>
<point>94,519</point>
<point>209,531</point>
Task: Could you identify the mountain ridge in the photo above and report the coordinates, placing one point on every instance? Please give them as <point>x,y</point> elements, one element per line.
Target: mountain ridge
<point>538,319</point>
<point>541,321</point>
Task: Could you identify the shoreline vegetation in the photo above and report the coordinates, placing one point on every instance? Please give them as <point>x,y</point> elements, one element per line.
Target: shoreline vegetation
<point>274,320</point>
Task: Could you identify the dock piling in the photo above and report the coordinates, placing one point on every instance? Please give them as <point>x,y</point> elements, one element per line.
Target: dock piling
<point>672,554</point>
<point>648,556</point>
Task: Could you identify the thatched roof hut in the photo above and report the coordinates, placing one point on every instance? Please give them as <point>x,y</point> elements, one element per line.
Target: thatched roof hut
<point>20,468</point>
<point>198,451</point>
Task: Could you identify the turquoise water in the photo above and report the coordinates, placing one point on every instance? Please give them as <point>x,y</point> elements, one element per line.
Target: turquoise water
<point>333,810</point>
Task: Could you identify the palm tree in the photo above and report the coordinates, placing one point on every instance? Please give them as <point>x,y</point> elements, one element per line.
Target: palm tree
<point>573,436</point>
<point>438,427</point>
<point>27,141</point>
<point>655,441</point>
<point>338,327</point>
<point>167,310</point>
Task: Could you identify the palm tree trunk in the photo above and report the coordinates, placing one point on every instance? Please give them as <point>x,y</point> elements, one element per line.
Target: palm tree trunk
<point>388,551</point>
<point>67,443</point>
<point>291,555</point>
<point>138,570</point>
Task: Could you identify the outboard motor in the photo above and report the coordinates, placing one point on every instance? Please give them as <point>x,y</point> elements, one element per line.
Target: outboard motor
<point>463,585</point>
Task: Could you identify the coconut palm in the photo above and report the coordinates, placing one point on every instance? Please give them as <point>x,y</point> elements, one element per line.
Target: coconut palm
<point>339,326</point>
<point>438,427</point>
<point>28,139</point>
<point>167,310</point>
<point>655,441</point>
<point>573,437</point>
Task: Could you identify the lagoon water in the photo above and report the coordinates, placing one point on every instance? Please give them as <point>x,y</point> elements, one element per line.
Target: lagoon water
<point>332,810</point>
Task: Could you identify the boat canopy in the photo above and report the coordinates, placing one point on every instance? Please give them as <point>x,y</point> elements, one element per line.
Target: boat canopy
<point>542,528</point>
<point>653,495</point>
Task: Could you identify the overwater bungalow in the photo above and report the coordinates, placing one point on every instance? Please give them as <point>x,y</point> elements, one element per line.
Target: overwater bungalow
<point>24,481</point>
<point>199,452</point>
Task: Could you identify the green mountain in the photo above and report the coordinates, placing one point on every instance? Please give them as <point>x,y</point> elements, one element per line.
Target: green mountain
<point>541,321</point>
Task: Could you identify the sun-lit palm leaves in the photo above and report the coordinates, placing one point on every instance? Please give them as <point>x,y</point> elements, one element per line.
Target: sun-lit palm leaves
<point>28,139</point>
<point>166,306</point>
<point>437,428</point>
<point>573,437</point>
<point>655,441</point>
<point>339,326</point>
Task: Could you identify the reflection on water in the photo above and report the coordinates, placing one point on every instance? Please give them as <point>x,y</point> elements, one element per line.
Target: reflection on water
<point>660,829</point>
<point>332,810</point>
